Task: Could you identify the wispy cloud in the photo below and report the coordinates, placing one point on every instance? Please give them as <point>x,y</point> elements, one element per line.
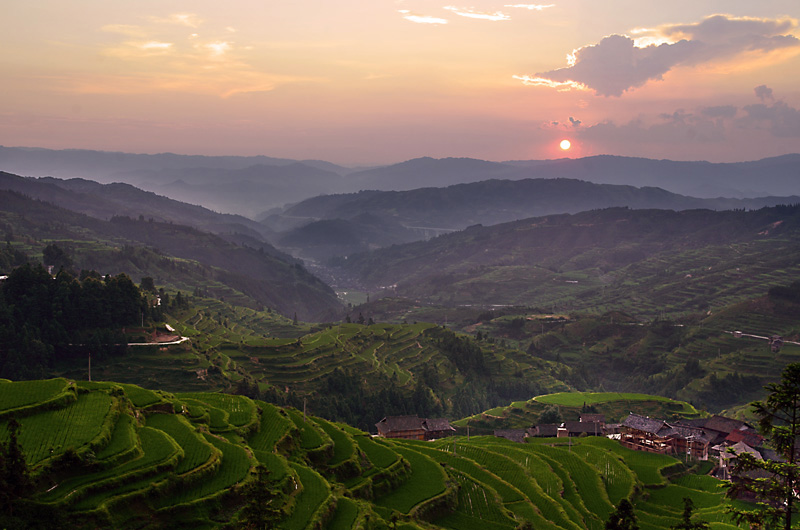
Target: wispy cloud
<point>709,124</point>
<point>421,19</point>
<point>176,59</point>
<point>218,48</point>
<point>619,63</point>
<point>124,29</point>
<point>470,13</point>
<point>530,7</point>
<point>541,81</point>
<point>190,20</point>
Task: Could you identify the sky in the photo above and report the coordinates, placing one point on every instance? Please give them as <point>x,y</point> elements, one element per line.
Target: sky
<point>359,82</point>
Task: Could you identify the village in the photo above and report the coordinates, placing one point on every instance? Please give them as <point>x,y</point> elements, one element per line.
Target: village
<point>716,438</point>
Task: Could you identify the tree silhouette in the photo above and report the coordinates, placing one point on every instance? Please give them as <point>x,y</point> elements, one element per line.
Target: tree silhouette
<point>622,518</point>
<point>773,483</point>
<point>260,512</point>
<point>686,522</point>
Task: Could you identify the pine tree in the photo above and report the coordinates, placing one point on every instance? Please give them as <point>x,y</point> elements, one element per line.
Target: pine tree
<point>622,518</point>
<point>686,522</point>
<point>15,481</point>
<point>260,512</point>
<point>779,420</point>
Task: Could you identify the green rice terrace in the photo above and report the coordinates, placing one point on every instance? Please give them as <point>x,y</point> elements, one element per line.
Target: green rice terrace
<point>111,455</point>
<point>613,405</point>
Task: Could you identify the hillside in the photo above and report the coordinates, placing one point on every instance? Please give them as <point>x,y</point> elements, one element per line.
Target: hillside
<point>646,262</point>
<point>104,201</point>
<point>112,455</point>
<point>185,257</point>
<point>347,372</point>
<point>427,212</point>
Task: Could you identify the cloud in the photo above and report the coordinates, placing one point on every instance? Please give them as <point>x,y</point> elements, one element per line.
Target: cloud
<point>704,125</point>
<point>763,92</point>
<point>619,63</point>
<point>779,119</point>
<point>124,29</point>
<point>530,7</point>
<point>187,62</point>
<point>218,48</point>
<point>470,13</point>
<point>421,19</point>
<point>190,20</point>
<point>720,111</point>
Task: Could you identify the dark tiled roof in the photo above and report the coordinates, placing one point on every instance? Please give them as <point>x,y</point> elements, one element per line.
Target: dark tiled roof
<point>751,439</point>
<point>438,424</point>
<point>644,424</point>
<point>726,425</point>
<point>577,427</point>
<point>515,435</point>
<point>546,430</point>
<point>683,431</point>
<point>400,423</point>
<point>593,417</point>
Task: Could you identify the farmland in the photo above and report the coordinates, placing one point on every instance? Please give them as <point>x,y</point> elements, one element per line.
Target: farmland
<point>119,458</point>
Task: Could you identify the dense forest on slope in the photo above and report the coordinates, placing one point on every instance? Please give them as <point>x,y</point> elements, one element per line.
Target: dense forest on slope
<point>46,320</point>
<point>646,262</point>
<point>187,257</point>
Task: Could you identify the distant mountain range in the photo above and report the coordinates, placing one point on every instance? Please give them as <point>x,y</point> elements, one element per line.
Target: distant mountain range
<point>405,216</point>
<point>252,185</point>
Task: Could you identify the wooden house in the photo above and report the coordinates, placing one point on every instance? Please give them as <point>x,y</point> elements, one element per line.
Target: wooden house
<point>515,435</point>
<point>414,428</point>
<point>657,436</point>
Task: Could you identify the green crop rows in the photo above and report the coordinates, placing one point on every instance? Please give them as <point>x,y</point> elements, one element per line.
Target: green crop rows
<point>116,464</point>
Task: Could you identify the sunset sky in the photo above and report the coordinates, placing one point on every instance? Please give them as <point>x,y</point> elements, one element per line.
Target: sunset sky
<point>381,81</point>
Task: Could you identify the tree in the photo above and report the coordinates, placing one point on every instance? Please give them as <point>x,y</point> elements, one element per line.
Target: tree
<point>15,481</point>
<point>622,518</point>
<point>772,482</point>
<point>148,284</point>
<point>55,256</point>
<point>260,512</point>
<point>550,414</point>
<point>686,523</point>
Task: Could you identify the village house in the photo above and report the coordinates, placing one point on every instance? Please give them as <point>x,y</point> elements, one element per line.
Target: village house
<point>544,430</point>
<point>414,428</point>
<point>657,436</point>
<point>515,435</point>
<point>726,432</point>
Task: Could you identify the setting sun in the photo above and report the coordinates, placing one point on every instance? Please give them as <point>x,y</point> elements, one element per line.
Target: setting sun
<point>565,144</point>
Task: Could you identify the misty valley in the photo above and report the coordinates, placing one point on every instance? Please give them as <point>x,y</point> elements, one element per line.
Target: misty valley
<point>254,342</point>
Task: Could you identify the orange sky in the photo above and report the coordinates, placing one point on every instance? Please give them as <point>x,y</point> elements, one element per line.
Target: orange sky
<point>379,81</point>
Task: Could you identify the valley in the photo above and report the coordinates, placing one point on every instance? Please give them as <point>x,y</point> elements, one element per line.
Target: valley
<point>305,328</point>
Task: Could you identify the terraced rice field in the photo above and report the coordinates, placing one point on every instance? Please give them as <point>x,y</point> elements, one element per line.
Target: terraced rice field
<point>137,465</point>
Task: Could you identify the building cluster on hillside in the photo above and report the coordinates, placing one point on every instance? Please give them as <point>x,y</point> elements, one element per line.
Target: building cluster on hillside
<point>716,436</point>
<point>588,425</point>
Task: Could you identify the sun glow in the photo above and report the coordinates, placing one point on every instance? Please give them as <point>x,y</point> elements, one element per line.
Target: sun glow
<point>565,145</point>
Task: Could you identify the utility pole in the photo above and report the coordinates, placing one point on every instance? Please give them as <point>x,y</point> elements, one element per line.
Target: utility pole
<point>90,366</point>
<point>304,410</point>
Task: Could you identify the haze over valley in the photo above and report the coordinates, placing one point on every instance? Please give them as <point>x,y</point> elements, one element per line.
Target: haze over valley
<point>399,266</point>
